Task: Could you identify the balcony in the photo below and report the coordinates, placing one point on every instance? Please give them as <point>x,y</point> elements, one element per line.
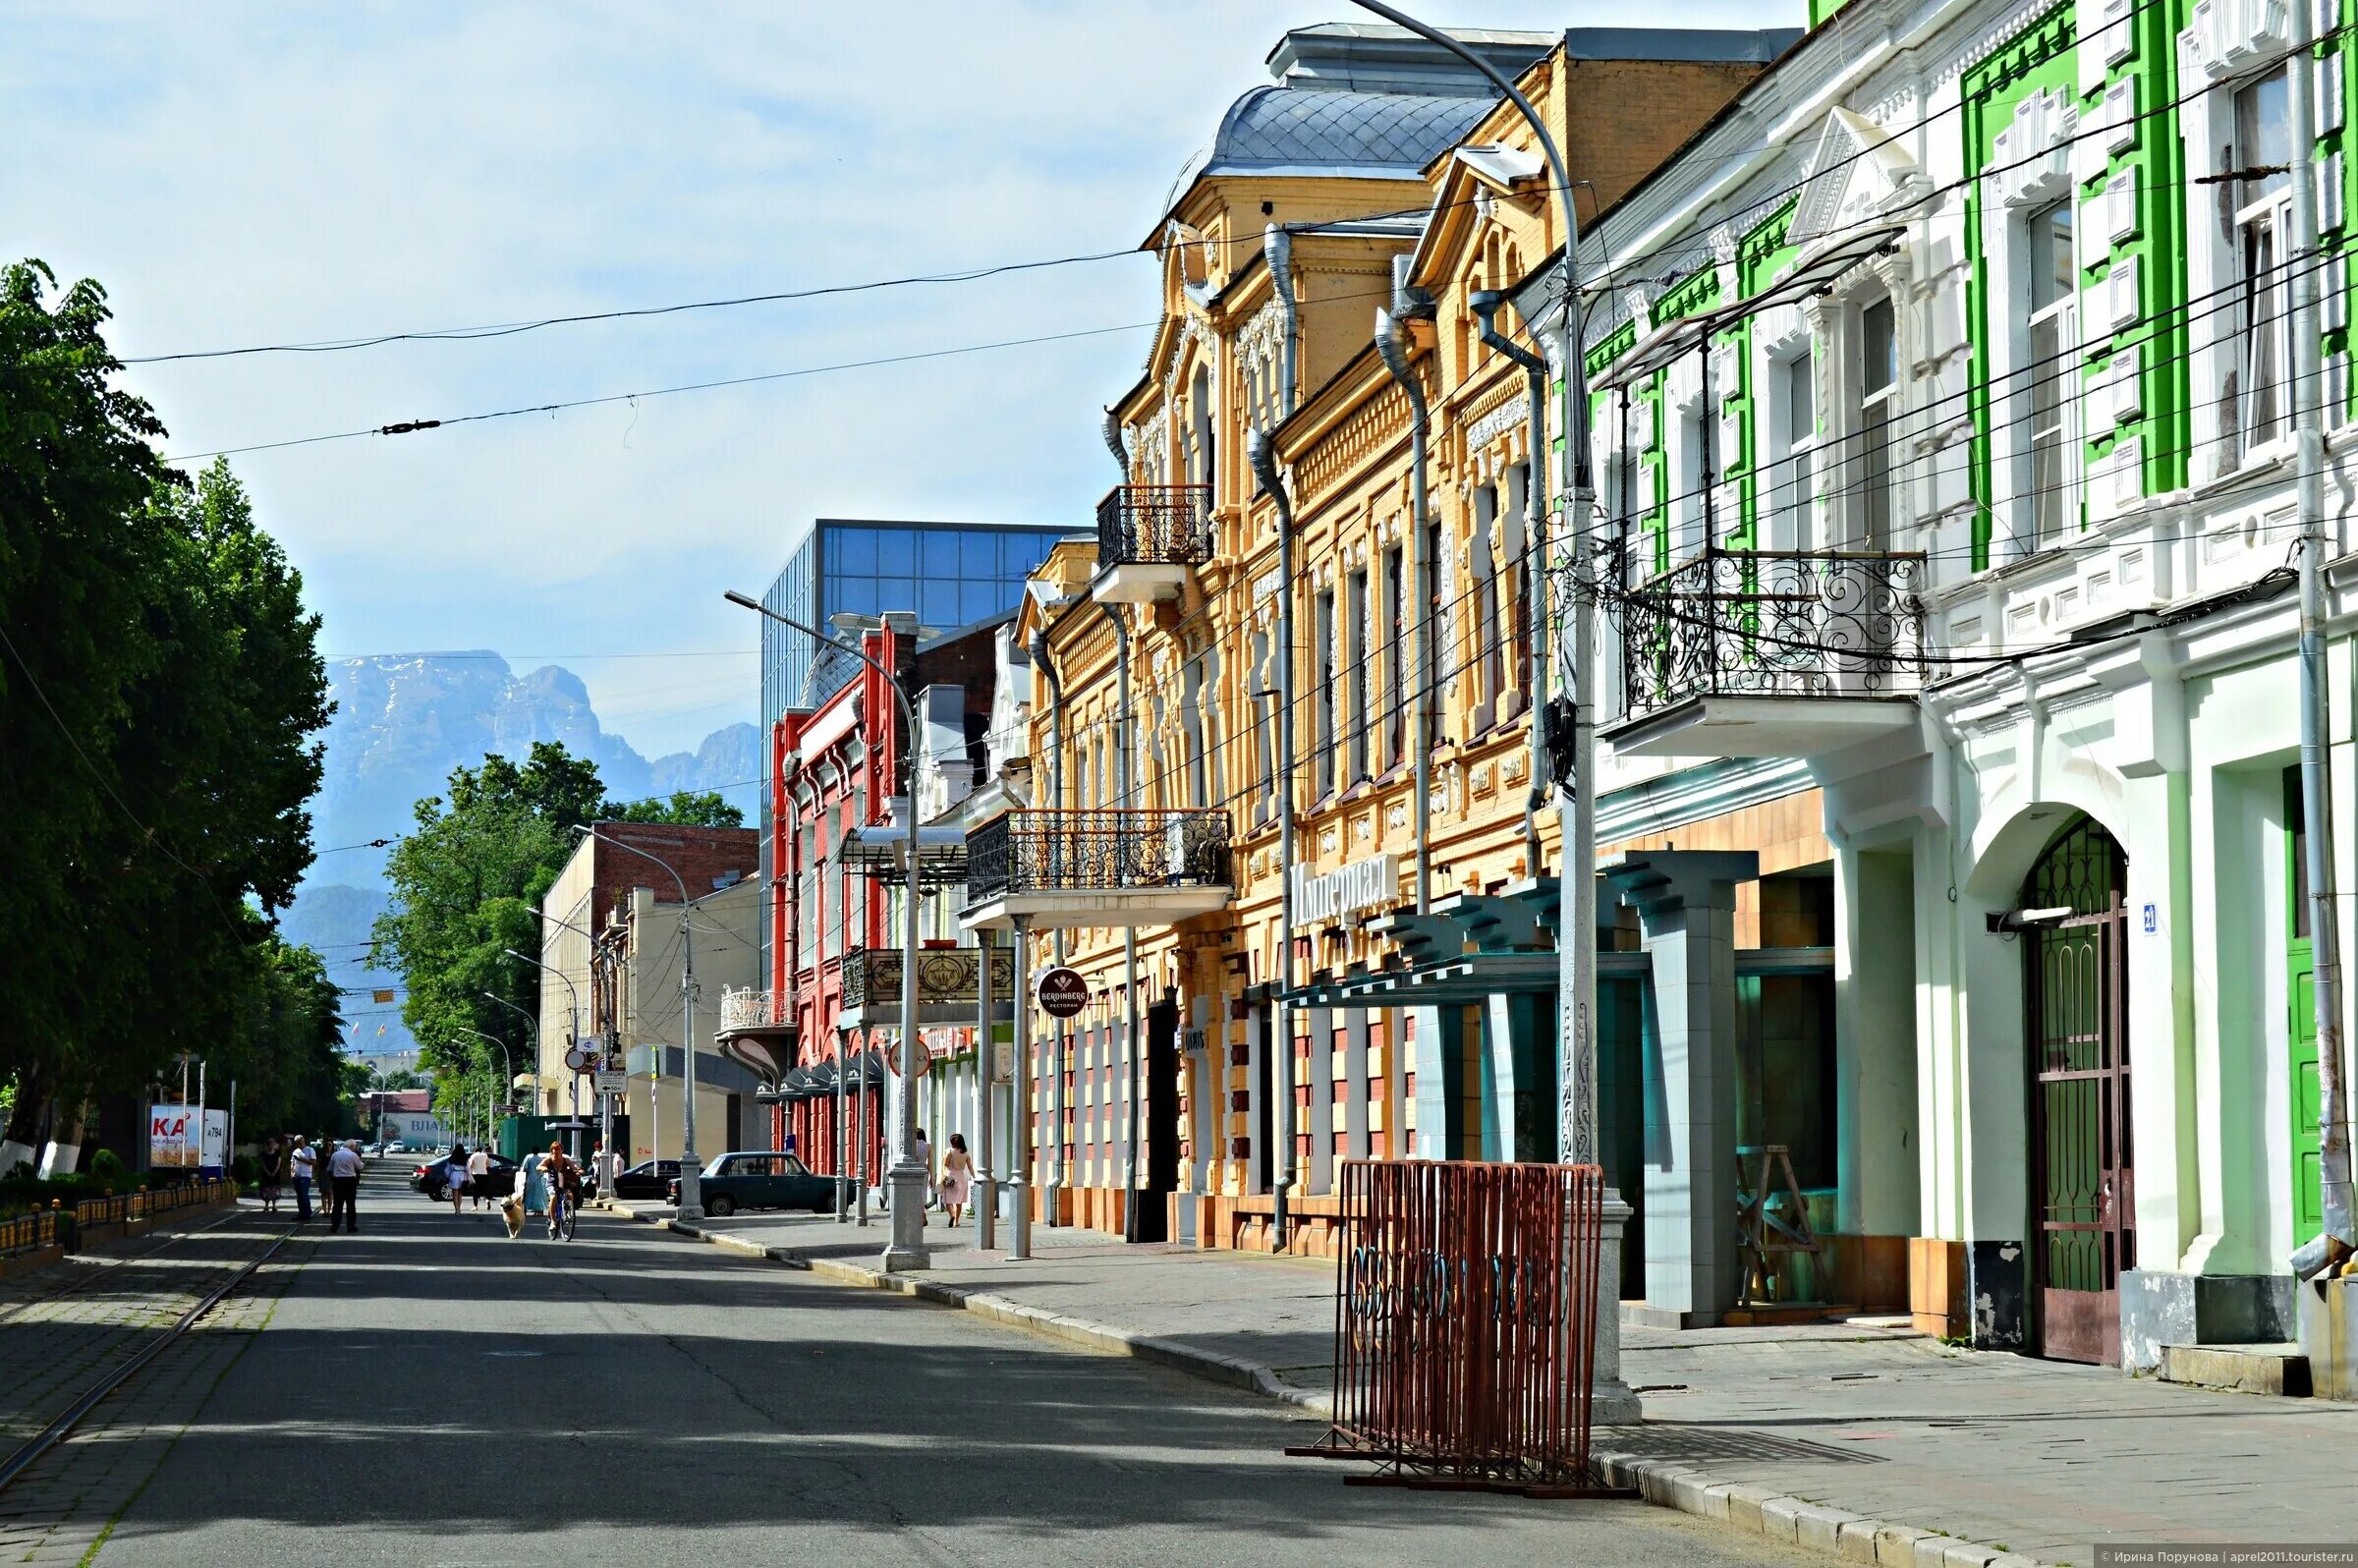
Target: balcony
<point>1150,536</point>
<point>1097,868</point>
<point>757,1032</point>
<point>1771,654</point>
<point>946,981</point>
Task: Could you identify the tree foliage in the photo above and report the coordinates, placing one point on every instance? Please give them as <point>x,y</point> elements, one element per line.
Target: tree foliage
<point>160,688</point>
<point>686,808</point>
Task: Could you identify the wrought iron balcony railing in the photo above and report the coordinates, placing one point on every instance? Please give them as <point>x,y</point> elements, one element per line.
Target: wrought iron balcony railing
<point>1765,623</point>
<point>945,977</point>
<point>747,1008</point>
<point>1168,525</point>
<point>1097,852</point>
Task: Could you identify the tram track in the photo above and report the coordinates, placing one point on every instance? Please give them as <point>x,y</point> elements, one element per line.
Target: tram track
<point>62,1425</point>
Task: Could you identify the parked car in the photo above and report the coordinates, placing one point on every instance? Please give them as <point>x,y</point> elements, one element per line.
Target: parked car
<point>762,1179</point>
<point>433,1178</point>
<point>649,1180</point>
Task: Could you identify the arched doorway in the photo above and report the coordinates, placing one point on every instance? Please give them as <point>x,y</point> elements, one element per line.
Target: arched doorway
<point>2075,930</point>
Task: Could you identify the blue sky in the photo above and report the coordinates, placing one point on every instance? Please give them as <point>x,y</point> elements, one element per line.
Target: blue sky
<point>253,172</point>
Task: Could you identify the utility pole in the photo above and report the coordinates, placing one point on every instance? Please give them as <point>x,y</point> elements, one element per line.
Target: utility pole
<point>2317,801</point>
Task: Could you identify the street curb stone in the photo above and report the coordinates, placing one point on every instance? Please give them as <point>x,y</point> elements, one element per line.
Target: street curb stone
<point>1663,1482</point>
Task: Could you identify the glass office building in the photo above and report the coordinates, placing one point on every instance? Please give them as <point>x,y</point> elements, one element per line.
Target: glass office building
<point>951,574</point>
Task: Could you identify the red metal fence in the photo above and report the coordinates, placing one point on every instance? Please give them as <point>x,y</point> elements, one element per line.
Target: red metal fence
<point>1465,1324</point>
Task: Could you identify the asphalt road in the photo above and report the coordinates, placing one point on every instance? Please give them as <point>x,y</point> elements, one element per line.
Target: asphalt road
<point>430,1392</point>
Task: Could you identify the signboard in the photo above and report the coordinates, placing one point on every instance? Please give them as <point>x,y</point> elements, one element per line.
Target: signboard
<point>613,1083</point>
<point>580,1057</point>
<point>1062,991</point>
<point>925,1058</point>
<point>645,1061</point>
<point>174,1140</point>
<point>1002,1062</point>
<point>217,1140</point>
<point>1345,891</point>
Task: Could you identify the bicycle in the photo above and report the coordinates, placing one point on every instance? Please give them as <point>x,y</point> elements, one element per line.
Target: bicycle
<point>562,1215</point>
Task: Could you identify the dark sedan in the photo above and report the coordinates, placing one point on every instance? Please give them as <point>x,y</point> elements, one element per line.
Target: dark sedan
<point>434,1177</point>
<point>648,1181</point>
<point>761,1179</point>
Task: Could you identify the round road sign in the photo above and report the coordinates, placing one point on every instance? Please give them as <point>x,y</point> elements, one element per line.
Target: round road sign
<point>581,1058</point>
<point>1062,991</point>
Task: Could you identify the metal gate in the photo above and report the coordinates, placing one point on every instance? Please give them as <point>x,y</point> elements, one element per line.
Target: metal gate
<point>2081,1148</point>
<point>1465,1324</point>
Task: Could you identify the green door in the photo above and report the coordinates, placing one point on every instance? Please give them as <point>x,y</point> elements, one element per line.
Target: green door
<point>2300,989</point>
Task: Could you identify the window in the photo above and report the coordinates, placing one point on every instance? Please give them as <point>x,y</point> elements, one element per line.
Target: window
<point>1519,585</point>
<point>1687,484</point>
<point>1489,657</point>
<point>1395,662</point>
<point>2263,209</point>
<point>1431,676</point>
<point>2053,373</point>
<point>1361,682</point>
<point>1878,413</point>
<point>1322,693</point>
<point>1200,469</point>
<point>1794,436</point>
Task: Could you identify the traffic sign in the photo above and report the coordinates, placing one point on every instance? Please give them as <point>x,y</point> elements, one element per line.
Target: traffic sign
<point>613,1083</point>
<point>580,1057</point>
<point>1062,991</point>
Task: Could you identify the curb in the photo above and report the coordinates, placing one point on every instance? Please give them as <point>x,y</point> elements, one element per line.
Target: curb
<point>1664,1482</point>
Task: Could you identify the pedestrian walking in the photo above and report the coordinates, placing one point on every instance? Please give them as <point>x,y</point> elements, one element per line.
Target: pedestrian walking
<point>478,1175</point>
<point>270,1166</point>
<point>302,1162</point>
<point>344,1166</point>
<point>957,1178</point>
<point>454,1177</point>
<point>534,1183</point>
<point>923,1152</point>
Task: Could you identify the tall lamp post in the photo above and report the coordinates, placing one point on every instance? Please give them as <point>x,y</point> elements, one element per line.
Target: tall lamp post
<point>605,1102</point>
<point>907,1248</point>
<point>575,1033</point>
<point>692,1204</point>
<point>505,1055</point>
<point>1576,1011</point>
<point>530,1024</point>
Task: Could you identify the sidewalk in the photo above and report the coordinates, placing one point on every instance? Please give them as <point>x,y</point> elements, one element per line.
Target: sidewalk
<point>1869,1442</point>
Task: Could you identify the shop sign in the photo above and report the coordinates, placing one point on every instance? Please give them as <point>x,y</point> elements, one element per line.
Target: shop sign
<point>174,1139</point>
<point>1347,890</point>
<point>1062,992</point>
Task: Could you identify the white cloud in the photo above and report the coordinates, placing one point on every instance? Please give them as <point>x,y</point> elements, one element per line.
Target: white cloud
<point>275,172</point>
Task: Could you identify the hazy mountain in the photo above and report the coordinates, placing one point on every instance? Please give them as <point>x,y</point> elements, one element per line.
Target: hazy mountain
<point>402,723</point>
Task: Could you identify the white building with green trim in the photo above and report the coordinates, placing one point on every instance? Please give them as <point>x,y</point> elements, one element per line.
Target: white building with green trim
<point>1942,402</point>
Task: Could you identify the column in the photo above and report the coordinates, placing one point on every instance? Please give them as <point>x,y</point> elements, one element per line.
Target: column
<point>1686,903</point>
<point>1436,1081</point>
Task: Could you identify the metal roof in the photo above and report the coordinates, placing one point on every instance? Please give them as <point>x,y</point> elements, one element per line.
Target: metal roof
<point>1292,128</point>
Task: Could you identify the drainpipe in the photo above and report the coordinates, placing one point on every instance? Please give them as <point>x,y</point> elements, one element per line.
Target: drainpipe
<point>1111,430</point>
<point>1278,244</point>
<point>2334,1174</point>
<point>1264,460</point>
<point>1055,1096</point>
<point>1122,741</point>
<point>1486,302</point>
<point>1391,346</point>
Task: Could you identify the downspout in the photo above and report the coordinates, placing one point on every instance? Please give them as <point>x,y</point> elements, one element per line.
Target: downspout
<point>1122,741</point>
<point>1264,460</point>
<point>1486,302</point>
<point>1408,305</point>
<point>1278,244</point>
<point>1055,1161</point>
<point>2334,1138</point>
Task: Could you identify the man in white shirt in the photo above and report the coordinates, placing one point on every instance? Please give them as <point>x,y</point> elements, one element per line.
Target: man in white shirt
<point>302,1160</point>
<point>343,1168</point>
<point>478,1172</point>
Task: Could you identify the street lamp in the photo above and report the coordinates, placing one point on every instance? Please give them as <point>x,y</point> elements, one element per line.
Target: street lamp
<point>505,1055</point>
<point>1576,1134</point>
<point>692,1204</point>
<point>908,1249</point>
<point>605,1102</point>
<point>576,1032</point>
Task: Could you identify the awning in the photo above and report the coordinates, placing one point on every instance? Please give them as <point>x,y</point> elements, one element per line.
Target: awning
<point>941,853</point>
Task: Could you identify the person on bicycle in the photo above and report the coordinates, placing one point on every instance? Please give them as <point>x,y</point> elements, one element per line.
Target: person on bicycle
<point>565,1185</point>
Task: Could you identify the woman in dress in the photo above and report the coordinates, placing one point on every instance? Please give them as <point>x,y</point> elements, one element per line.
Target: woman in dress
<point>535,1184</point>
<point>454,1176</point>
<point>956,1176</point>
<point>272,1170</point>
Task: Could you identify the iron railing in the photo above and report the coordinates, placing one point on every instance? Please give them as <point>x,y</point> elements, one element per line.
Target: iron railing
<point>1774,622</point>
<point>1165,523</point>
<point>1096,851</point>
<point>945,976</point>
<point>747,1008</point>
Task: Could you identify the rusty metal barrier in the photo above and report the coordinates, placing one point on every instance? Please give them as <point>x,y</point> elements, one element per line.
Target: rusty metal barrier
<point>1465,1326</point>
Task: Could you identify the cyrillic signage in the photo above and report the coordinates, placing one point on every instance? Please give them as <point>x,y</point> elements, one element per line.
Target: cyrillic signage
<point>1334,896</point>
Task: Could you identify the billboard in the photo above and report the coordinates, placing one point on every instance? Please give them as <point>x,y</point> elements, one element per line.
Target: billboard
<point>216,1141</point>
<point>175,1141</point>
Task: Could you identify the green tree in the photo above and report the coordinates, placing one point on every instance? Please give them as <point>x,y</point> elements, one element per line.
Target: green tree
<point>686,808</point>
<point>467,885</point>
<point>160,685</point>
